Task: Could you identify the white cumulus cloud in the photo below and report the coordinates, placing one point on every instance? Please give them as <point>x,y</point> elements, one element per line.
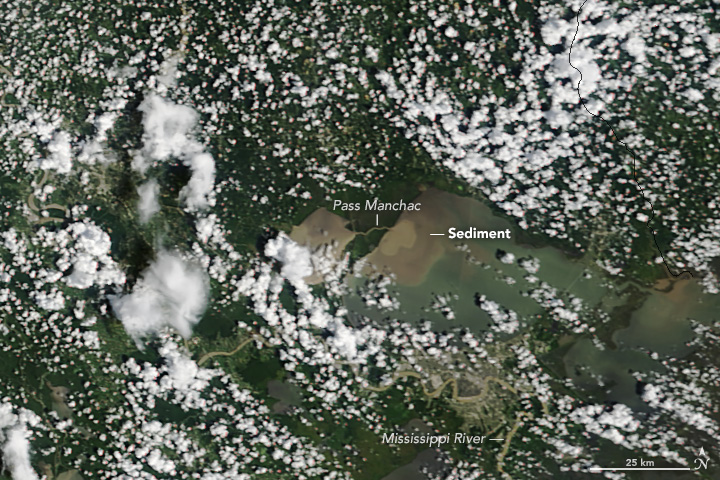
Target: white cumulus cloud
<point>90,258</point>
<point>15,444</point>
<point>148,204</point>
<point>168,134</point>
<point>172,292</point>
<point>295,259</point>
<point>59,156</point>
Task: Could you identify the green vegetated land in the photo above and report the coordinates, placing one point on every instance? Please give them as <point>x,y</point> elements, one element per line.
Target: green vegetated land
<point>246,169</point>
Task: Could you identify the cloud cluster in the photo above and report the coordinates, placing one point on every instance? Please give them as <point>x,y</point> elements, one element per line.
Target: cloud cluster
<point>92,150</point>
<point>62,147</point>
<point>172,292</point>
<point>15,444</point>
<point>610,424</point>
<point>89,257</point>
<point>296,260</point>
<point>59,156</point>
<point>148,204</point>
<point>299,263</point>
<point>168,134</point>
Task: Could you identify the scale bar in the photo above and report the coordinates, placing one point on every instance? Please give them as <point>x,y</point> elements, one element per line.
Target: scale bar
<point>599,469</point>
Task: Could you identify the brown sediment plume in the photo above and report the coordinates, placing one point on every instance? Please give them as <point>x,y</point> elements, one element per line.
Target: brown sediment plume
<point>323,230</point>
<point>661,322</point>
<point>408,250</point>
<point>59,394</point>
<point>70,475</point>
<point>402,235</point>
<point>323,227</point>
<point>673,302</point>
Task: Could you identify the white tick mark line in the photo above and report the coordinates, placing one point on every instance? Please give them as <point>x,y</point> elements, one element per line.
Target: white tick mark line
<point>496,439</point>
<point>438,234</point>
<point>376,220</point>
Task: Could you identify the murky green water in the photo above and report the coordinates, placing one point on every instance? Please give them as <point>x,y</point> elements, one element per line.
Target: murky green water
<point>426,266</point>
<point>662,325</point>
<point>611,371</point>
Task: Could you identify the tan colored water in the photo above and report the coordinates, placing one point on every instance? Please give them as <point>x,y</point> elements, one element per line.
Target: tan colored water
<point>661,323</point>
<point>408,249</point>
<point>426,266</point>
<point>323,229</point>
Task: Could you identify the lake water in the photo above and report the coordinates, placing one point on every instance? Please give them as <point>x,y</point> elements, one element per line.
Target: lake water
<point>425,266</point>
